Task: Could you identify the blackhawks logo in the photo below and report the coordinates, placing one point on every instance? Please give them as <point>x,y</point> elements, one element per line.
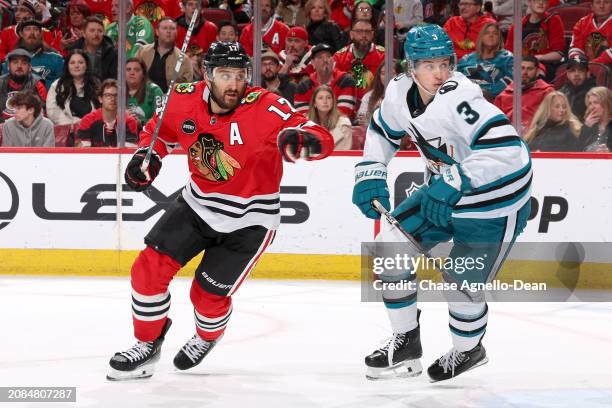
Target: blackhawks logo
<point>251,97</point>
<point>208,156</point>
<point>185,88</point>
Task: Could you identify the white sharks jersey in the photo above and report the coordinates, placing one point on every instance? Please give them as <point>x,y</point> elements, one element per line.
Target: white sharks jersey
<point>458,127</point>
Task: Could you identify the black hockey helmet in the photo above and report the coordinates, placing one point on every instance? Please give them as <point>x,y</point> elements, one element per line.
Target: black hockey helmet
<point>226,54</point>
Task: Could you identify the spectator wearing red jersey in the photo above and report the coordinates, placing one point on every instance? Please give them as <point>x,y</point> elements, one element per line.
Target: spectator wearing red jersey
<point>533,92</point>
<point>155,10</point>
<point>78,11</point>
<point>591,36</point>
<point>204,32</point>
<point>342,83</point>
<point>322,29</point>
<point>542,36</point>
<point>340,12</point>
<point>99,128</point>
<point>19,78</point>
<point>273,31</point>
<point>9,36</point>
<point>295,58</point>
<point>464,28</point>
<point>101,8</point>
<point>361,58</point>
<point>227,31</point>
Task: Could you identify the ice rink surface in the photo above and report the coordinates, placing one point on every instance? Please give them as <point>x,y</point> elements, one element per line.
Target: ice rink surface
<point>296,344</point>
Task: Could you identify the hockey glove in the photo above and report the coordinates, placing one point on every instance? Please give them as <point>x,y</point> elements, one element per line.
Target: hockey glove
<point>370,184</point>
<point>442,194</point>
<point>295,143</point>
<point>408,213</point>
<point>134,176</point>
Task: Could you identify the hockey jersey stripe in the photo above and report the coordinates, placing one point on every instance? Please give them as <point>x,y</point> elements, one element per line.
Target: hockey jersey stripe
<point>394,134</point>
<point>212,326</point>
<point>504,181</point>
<point>150,299</point>
<point>468,319</point>
<point>212,320</point>
<point>381,133</point>
<point>235,204</point>
<point>496,203</point>
<point>138,303</point>
<point>500,191</point>
<point>467,333</point>
<point>158,314</point>
<point>234,215</point>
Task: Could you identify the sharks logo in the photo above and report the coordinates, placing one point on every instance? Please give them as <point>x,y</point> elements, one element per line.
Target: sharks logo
<point>435,150</point>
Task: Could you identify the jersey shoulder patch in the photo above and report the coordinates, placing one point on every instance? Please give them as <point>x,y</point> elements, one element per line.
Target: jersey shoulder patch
<point>380,48</point>
<point>185,88</point>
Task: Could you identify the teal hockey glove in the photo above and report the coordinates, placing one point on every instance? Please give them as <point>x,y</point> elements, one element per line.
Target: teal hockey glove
<point>442,194</point>
<point>370,183</point>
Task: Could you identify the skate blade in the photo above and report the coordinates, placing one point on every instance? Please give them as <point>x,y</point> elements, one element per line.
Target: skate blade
<point>478,364</point>
<point>404,369</point>
<point>146,371</point>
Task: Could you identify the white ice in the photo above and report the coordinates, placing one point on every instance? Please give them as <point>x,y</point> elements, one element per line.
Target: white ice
<point>294,344</point>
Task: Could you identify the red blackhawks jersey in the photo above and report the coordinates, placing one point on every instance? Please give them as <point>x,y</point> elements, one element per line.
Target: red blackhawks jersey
<point>9,39</point>
<point>363,73</point>
<point>235,167</point>
<point>273,37</point>
<point>341,83</point>
<point>592,40</point>
<point>204,34</point>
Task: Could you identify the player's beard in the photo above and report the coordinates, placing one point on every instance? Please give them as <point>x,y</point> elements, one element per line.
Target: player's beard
<point>219,97</point>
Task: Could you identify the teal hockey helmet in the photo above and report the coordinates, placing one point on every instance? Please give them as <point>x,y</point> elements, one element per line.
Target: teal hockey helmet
<point>427,41</point>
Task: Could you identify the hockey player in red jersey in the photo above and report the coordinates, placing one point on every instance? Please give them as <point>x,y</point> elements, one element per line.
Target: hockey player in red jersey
<point>235,138</point>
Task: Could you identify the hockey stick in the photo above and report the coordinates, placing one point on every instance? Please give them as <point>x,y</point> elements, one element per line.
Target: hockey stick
<point>418,247</point>
<point>179,62</point>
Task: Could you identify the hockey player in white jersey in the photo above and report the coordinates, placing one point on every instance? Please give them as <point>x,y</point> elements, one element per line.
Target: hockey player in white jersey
<point>477,190</point>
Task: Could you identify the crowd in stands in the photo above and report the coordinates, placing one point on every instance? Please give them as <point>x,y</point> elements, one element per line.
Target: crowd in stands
<point>59,62</point>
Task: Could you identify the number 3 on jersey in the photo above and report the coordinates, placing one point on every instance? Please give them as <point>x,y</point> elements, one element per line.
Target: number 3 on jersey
<point>279,112</point>
<point>468,114</point>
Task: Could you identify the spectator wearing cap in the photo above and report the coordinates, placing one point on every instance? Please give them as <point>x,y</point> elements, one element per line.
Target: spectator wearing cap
<point>361,58</point>
<point>273,80</point>
<point>227,31</point>
<point>273,32</point>
<point>295,58</point>
<point>464,28</point>
<point>99,48</point>
<point>542,36</point>
<point>534,90</point>
<point>47,63</point>
<point>28,127</point>
<point>204,32</point>
<point>161,56</point>
<point>578,83</point>
<point>591,34</point>
<point>324,73</point>
<point>292,12</point>
<point>9,36</point>
<point>321,29</point>
<point>139,30</point>
<point>19,78</point>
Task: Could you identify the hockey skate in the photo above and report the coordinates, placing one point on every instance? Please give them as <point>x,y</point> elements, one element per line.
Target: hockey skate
<point>139,361</point>
<point>398,358</point>
<point>456,362</point>
<point>193,352</point>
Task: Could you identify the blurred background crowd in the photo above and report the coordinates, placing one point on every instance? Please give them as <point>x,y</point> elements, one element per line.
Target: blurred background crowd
<point>59,63</point>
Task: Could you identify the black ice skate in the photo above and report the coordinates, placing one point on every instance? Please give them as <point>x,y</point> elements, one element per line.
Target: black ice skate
<point>193,352</point>
<point>139,361</point>
<point>456,362</point>
<point>400,357</point>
